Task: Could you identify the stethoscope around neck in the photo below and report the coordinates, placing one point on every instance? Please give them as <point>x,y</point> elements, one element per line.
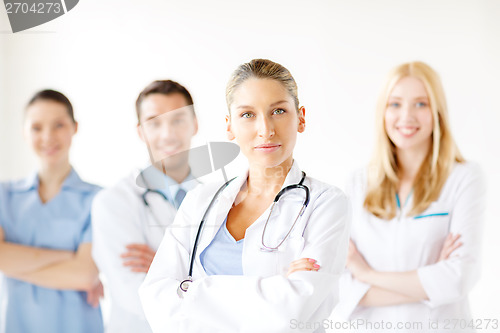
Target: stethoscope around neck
<point>184,285</point>
<point>145,200</point>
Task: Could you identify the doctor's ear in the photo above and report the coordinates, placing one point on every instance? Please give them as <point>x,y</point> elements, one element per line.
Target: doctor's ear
<point>195,128</point>
<point>229,132</point>
<point>76,127</point>
<point>302,119</point>
<point>140,133</point>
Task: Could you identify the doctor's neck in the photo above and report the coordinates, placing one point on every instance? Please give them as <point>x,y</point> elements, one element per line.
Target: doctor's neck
<point>268,180</point>
<point>409,162</point>
<point>178,173</point>
<point>54,175</point>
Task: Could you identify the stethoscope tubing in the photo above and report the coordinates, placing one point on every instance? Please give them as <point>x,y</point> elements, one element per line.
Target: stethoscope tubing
<point>202,226</point>
<point>276,199</point>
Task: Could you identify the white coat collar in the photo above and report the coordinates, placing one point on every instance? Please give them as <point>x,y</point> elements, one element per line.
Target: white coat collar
<point>293,177</point>
<point>153,179</point>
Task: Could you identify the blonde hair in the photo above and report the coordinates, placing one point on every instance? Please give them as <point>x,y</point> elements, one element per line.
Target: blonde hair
<point>383,179</point>
<point>262,69</point>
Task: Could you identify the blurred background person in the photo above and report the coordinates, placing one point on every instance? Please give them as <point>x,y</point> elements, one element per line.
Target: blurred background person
<point>418,212</point>
<point>51,282</point>
<point>129,219</point>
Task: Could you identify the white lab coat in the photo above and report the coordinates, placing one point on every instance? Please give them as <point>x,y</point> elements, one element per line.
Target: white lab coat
<point>263,299</point>
<point>119,218</point>
<point>405,243</point>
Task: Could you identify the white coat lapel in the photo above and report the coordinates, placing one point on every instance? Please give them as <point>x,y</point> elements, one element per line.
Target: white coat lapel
<point>219,211</point>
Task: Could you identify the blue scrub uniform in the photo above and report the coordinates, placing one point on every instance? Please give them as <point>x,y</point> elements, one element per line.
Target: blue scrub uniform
<point>223,255</point>
<point>63,223</point>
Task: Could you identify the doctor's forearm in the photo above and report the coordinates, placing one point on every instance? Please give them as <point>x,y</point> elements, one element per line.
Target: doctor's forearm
<point>68,275</point>
<point>20,259</point>
<point>376,296</point>
<point>406,283</point>
<point>77,273</point>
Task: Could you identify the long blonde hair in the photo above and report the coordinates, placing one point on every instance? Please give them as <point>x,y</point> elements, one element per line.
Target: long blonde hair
<point>383,179</point>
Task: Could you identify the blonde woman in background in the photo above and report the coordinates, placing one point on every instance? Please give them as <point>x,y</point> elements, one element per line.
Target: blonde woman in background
<point>417,216</point>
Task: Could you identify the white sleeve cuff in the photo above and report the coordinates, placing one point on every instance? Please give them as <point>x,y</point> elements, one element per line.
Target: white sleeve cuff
<point>351,293</point>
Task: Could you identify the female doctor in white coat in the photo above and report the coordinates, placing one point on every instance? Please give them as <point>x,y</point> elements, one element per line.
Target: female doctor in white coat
<point>417,216</point>
<point>237,286</point>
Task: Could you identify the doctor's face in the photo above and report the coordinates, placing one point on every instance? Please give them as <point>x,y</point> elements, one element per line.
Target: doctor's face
<point>264,121</point>
<point>49,130</point>
<point>408,117</point>
<point>167,125</point>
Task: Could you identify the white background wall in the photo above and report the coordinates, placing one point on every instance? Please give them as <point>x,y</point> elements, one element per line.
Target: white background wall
<point>102,53</point>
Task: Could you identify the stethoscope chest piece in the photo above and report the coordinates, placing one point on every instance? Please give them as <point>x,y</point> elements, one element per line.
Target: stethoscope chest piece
<point>184,286</point>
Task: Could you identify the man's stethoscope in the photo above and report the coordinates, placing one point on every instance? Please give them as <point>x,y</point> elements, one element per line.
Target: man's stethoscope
<point>146,203</point>
<point>184,285</point>
<point>145,200</point>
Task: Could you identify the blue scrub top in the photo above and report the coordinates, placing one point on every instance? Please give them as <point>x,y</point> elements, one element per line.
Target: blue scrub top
<point>223,255</point>
<point>63,223</point>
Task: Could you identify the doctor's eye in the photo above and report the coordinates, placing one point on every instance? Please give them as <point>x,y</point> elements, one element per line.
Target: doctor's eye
<point>154,123</point>
<point>279,111</point>
<point>36,128</point>
<point>178,121</point>
<point>421,104</point>
<point>394,105</point>
<point>246,115</point>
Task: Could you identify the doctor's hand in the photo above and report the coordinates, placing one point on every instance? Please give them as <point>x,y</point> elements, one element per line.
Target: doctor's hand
<point>94,294</point>
<point>304,264</point>
<point>138,257</point>
<point>356,263</point>
<point>451,243</point>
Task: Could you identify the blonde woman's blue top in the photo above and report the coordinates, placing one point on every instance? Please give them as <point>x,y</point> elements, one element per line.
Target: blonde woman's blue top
<point>63,223</point>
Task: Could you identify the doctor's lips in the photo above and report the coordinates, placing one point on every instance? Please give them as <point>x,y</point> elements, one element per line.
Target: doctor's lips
<point>168,151</point>
<point>268,147</point>
<point>407,130</point>
<point>49,150</point>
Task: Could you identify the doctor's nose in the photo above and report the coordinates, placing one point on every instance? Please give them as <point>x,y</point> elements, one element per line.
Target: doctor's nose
<point>265,128</point>
<point>407,110</point>
<point>48,135</point>
<point>167,131</point>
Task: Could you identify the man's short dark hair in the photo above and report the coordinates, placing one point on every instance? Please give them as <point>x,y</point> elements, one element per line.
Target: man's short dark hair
<point>165,87</point>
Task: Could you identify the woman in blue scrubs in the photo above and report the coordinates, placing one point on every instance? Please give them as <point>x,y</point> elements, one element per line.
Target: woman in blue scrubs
<point>51,283</point>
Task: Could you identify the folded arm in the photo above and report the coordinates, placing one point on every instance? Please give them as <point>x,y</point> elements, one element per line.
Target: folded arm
<point>456,271</point>
<point>77,273</point>
<point>376,296</point>
<point>21,259</point>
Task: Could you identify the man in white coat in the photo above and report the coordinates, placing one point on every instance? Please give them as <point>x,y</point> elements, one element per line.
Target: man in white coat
<point>129,219</point>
